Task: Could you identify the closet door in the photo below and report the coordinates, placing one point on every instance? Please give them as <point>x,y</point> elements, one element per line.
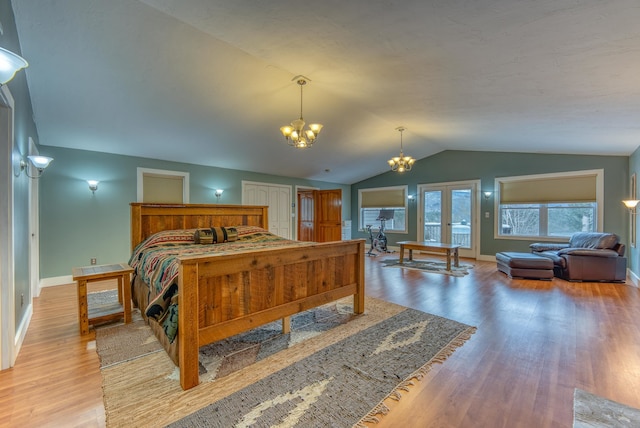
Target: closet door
<point>277,198</point>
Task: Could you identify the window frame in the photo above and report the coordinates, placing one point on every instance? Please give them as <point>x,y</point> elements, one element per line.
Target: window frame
<point>599,190</point>
<point>404,189</point>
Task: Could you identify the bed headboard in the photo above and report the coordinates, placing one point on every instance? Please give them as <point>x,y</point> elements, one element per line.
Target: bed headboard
<point>147,219</point>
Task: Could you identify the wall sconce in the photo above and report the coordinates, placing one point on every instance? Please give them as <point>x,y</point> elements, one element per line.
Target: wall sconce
<point>93,185</point>
<point>412,198</point>
<point>487,195</point>
<point>38,162</point>
<point>631,204</point>
<point>218,194</point>
<point>10,64</point>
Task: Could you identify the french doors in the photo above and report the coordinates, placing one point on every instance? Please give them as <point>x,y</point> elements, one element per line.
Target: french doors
<point>448,213</point>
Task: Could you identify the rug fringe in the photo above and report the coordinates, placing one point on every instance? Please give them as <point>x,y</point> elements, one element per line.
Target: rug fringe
<point>372,416</point>
<point>381,409</point>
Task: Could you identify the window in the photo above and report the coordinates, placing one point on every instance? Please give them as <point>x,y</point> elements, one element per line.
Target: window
<point>549,205</point>
<point>548,220</point>
<point>389,203</point>
<point>160,186</point>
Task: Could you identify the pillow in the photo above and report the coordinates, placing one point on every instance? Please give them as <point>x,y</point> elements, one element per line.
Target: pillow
<point>215,235</point>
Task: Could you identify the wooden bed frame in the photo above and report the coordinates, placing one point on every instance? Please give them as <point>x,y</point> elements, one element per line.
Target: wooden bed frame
<point>220,296</point>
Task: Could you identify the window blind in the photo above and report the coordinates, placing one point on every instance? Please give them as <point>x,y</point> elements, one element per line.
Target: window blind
<point>162,189</point>
<point>549,190</point>
<point>383,198</point>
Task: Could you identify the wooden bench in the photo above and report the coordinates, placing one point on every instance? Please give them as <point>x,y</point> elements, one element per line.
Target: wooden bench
<point>437,247</point>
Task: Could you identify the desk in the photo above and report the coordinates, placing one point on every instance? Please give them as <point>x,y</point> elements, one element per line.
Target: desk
<point>436,247</point>
<point>84,275</point>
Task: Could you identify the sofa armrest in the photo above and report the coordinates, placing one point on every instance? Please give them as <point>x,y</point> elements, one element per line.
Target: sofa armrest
<point>590,252</point>
<point>547,246</point>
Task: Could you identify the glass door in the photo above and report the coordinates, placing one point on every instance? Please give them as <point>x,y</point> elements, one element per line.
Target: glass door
<point>448,215</point>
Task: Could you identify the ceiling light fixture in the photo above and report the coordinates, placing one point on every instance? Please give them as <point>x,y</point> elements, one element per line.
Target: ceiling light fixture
<point>295,133</point>
<point>10,63</point>
<point>401,163</point>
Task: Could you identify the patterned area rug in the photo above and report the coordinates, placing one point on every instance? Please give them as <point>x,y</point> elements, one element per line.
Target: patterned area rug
<point>101,298</point>
<point>592,411</point>
<point>432,266</point>
<point>339,377</point>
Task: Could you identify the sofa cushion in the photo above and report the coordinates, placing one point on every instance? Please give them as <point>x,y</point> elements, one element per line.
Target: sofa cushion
<point>555,258</point>
<point>593,240</point>
<point>547,246</point>
<point>592,252</point>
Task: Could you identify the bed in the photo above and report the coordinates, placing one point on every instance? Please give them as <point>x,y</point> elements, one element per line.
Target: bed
<point>225,293</point>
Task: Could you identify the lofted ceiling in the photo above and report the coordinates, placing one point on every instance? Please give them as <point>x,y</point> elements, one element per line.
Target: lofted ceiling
<point>210,82</point>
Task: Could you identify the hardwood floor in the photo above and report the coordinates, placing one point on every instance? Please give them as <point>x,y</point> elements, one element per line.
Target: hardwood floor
<point>536,342</point>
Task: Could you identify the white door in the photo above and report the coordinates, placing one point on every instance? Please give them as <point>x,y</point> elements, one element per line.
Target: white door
<point>448,214</point>
<point>277,198</point>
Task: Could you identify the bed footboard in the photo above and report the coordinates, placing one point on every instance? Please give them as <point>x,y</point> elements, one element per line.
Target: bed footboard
<point>224,295</point>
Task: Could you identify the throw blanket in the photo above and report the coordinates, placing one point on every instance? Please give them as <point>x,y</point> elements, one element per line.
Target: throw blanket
<point>155,261</point>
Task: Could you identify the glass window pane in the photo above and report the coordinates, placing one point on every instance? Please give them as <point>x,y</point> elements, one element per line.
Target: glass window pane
<point>369,216</point>
<point>551,220</point>
<point>433,216</point>
<point>460,217</point>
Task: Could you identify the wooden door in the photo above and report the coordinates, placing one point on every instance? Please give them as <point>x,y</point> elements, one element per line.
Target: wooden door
<point>328,215</point>
<point>306,215</point>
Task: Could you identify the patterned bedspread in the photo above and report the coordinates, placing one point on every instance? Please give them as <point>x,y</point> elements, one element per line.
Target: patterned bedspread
<point>155,261</point>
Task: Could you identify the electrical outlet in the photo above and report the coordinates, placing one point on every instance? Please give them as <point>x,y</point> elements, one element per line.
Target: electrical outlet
<point>22,300</point>
<point>94,261</point>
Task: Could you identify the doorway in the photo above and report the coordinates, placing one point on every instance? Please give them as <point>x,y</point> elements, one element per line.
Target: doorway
<point>449,214</point>
<point>319,215</point>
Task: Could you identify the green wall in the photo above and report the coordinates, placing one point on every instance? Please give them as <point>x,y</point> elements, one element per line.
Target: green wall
<point>76,225</point>
<point>450,166</point>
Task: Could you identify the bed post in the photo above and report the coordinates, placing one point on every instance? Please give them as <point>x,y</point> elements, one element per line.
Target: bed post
<point>358,298</point>
<point>136,226</point>
<point>188,335</point>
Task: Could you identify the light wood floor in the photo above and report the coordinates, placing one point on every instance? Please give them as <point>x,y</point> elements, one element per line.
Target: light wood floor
<point>536,342</point>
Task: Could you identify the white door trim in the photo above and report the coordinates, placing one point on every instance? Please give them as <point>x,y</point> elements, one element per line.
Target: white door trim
<point>475,209</point>
<point>7,274</point>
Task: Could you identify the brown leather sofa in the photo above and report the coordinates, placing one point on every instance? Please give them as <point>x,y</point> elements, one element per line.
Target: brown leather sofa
<point>589,256</point>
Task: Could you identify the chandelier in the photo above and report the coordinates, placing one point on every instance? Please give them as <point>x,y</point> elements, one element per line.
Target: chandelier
<point>295,133</point>
<point>401,163</point>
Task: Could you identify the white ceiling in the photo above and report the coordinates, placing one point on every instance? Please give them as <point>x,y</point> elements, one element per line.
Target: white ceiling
<point>210,82</point>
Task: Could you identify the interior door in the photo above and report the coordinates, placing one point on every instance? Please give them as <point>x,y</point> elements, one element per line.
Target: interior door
<point>306,215</point>
<point>328,215</point>
<point>449,216</point>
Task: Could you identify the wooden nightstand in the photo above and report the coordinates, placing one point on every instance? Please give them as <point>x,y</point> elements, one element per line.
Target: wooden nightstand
<point>86,274</point>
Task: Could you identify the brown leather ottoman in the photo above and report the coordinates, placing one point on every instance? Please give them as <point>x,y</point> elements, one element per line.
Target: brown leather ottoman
<point>525,265</point>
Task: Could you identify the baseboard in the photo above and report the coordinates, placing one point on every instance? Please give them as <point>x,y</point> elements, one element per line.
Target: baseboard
<point>55,280</point>
<point>635,280</point>
<point>21,331</point>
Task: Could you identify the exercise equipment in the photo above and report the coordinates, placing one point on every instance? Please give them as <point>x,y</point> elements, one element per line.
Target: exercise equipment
<point>379,242</point>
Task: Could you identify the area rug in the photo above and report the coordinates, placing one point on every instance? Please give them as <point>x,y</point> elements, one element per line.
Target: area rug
<point>592,411</point>
<point>101,298</point>
<point>340,377</point>
<point>432,266</point>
